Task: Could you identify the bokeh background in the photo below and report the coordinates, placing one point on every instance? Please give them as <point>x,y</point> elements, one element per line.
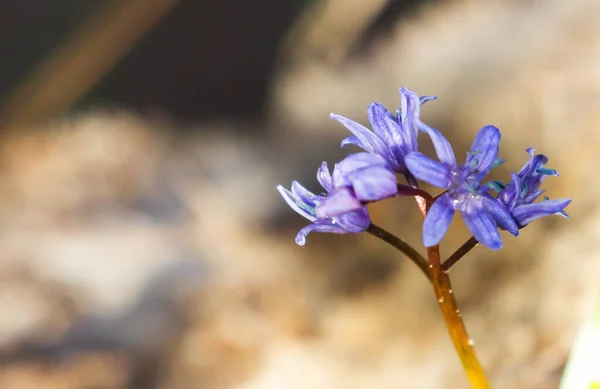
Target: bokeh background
<point>143,244</point>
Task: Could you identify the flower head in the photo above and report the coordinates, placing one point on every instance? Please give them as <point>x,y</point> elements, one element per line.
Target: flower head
<point>358,179</point>
<point>465,192</point>
<point>394,136</point>
<point>524,188</point>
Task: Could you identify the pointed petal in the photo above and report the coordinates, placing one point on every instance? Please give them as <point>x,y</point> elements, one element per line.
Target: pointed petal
<point>525,214</point>
<point>303,194</point>
<point>357,221</point>
<point>410,107</point>
<point>318,227</point>
<point>386,127</point>
<point>511,193</point>
<point>293,201</point>
<point>534,163</point>
<point>438,220</point>
<point>374,183</point>
<point>442,147</point>
<point>501,215</point>
<point>383,122</point>
<point>351,140</point>
<point>530,198</point>
<point>337,203</point>
<point>368,140</point>
<point>483,228</point>
<point>324,177</point>
<point>484,151</point>
<point>424,99</point>
<point>428,170</point>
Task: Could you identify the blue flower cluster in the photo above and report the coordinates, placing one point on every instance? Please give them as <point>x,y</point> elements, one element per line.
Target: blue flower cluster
<point>392,147</point>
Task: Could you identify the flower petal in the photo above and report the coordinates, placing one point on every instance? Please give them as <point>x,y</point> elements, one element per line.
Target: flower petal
<point>303,194</point>
<point>424,99</point>
<point>484,151</point>
<point>374,183</point>
<point>338,202</point>
<point>368,140</point>
<point>351,140</point>
<point>428,170</point>
<point>483,228</point>
<point>293,201</point>
<point>357,221</point>
<point>343,172</point>
<point>324,177</point>
<point>438,220</point>
<point>534,163</point>
<point>410,108</point>
<point>509,195</point>
<point>501,215</point>
<point>442,147</point>
<point>318,227</point>
<point>387,129</point>
<point>530,198</point>
<point>525,214</point>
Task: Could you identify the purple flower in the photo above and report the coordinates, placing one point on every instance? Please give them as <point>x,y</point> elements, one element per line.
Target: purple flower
<point>356,180</point>
<point>524,188</point>
<point>465,193</point>
<point>394,136</point>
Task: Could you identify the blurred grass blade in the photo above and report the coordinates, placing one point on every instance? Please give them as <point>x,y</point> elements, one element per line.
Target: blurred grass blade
<point>583,367</point>
<point>79,62</point>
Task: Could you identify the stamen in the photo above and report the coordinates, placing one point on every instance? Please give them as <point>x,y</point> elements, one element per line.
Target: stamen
<point>497,163</point>
<point>306,207</point>
<point>496,185</point>
<point>473,164</point>
<point>547,172</point>
<point>524,190</point>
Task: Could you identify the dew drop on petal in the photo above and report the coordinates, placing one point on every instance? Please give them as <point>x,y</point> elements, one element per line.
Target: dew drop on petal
<point>441,300</point>
<point>471,342</point>
<point>450,291</point>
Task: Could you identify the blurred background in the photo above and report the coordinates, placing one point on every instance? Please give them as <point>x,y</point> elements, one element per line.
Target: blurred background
<point>143,244</point>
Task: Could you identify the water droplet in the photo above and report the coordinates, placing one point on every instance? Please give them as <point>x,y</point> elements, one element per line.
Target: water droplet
<point>431,266</point>
<point>471,342</point>
<point>441,300</point>
<point>450,291</point>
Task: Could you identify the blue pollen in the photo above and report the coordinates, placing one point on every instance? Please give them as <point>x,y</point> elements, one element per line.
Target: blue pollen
<point>524,190</point>
<point>546,171</point>
<point>473,164</point>
<point>497,163</point>
<point>306,207</point>
<point>474,152</point>
<point>496,185</point>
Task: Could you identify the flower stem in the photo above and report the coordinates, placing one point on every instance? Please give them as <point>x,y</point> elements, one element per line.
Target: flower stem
<point>402,246</point>
<point>459,253</point>
<point>452,316</point>
<point>456,327</point>
<point>404,190</point>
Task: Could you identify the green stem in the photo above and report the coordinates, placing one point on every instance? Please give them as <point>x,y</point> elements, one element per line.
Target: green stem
<point>459,253</point>
<point>402,246</point>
